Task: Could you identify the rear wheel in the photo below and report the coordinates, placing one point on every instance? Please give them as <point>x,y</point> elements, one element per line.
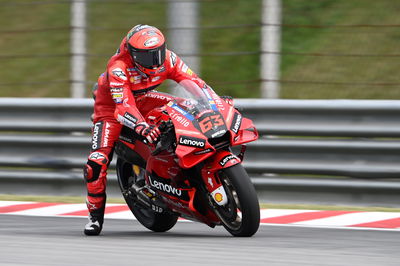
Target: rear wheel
<point>241,215</point>
<point>128,174</point>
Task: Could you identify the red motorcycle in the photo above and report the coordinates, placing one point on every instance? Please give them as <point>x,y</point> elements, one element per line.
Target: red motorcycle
<point>191,172</point>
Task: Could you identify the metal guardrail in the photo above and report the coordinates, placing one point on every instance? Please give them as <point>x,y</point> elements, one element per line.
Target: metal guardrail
<point>361,138</point>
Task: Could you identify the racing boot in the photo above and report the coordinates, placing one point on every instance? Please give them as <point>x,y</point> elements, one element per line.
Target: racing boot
<point>95,224</point>
<point>95,173</point>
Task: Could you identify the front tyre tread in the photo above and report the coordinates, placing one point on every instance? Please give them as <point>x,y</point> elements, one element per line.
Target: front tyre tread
<point>246,195</point>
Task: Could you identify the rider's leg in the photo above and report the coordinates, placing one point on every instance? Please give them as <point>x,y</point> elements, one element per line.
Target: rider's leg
<point>105,133</point>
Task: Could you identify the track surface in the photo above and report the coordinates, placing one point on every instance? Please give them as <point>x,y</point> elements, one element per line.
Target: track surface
<point>30,240</point>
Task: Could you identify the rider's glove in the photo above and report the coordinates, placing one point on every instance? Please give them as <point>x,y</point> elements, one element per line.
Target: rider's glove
<point>149,132</point>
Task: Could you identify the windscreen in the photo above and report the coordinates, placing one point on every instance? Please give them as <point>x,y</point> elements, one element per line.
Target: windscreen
<point>192,98</point>
<point>199,106</point>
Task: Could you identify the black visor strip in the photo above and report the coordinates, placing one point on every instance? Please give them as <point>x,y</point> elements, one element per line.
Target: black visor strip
<point>149,58</point>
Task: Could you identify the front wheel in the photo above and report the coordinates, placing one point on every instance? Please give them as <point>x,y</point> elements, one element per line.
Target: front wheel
<point>241,215</point>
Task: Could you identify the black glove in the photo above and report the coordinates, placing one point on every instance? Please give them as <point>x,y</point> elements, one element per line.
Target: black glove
<point>150,132</point>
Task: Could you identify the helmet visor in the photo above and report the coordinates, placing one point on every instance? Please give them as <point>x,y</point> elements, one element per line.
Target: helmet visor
<point>152,58</point>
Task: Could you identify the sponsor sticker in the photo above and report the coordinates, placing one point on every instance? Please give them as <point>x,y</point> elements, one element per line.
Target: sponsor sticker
<point>161,70</point>
<point>180,119</point>
<point>184,68</point>
<point>218,133</point>
<point>209,180</point>
<point>173,59</point>
<point>237,121</point>
<point>155,79</point>
<point>125,121</point>
<point>203,151</point>
<point>159,96</point>
<point>191,141</point>
<point>227,158</point>
<point>126,104</point>
<point>182,111</point>
<point>116,84</point>
<point>96,136</point>
<point>106,134</point>
<point>135,79</point>
<point>219,104</point>
<point>130,117</point>
<point>136,29</point>
<point>165,187</point>
<point>119,73</point>
<point>151,42</point>
<point>218,197</point>
<point>116,90</point>
<point>151,33</point>
<point>117,97</point>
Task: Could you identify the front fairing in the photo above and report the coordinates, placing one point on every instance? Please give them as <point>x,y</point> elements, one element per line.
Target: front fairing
<point>203,123</point>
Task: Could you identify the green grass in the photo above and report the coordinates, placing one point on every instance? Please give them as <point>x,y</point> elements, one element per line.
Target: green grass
<point>121,17</point>
<point>65,199</point>
<point>15,70</point>
<point>350,75</point>
<point>219,69</point>
<point>343,69</point>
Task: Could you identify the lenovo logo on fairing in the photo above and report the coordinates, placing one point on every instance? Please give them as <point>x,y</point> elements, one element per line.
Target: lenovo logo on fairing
<point>227,158</point>
<point>237,122</point>
<point>193,142</point>
<point>165,187</point>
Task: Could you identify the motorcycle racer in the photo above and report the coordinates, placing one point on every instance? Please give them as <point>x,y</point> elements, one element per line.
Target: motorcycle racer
<point>124,93</point>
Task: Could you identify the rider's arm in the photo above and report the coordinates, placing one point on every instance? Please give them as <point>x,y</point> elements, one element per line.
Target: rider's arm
<point>126,111</point>
<point>180,71</point>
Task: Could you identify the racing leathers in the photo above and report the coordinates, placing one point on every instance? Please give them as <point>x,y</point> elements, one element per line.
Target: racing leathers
<point>123,96</point>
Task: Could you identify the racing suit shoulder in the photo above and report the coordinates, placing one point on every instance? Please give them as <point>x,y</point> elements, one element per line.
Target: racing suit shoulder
<point>116,71</point>
<point>178,70</point>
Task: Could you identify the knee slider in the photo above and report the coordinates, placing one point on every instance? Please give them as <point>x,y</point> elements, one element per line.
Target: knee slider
<point>96,161</point>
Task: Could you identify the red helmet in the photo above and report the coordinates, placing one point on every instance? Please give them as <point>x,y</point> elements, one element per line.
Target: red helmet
<point>146,44</point>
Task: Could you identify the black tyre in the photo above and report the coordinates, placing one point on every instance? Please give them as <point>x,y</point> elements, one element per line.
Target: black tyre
<point>157,222</point>
<point>241,215</point>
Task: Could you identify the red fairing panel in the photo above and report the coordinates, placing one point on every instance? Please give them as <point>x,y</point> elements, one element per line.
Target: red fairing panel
<point>246,133</point>
<point>221,159</point>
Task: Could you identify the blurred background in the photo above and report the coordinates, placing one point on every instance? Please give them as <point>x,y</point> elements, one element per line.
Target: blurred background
<point>290,52</point>
<point>325,49</point>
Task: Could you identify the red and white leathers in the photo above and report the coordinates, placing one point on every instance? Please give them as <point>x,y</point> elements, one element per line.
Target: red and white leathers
<point>123,96</point>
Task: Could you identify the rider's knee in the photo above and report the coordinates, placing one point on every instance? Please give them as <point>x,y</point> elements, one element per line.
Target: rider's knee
<point>97,162</point>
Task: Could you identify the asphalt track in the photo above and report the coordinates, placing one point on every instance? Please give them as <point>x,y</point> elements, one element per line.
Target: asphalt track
<point>28,240</point>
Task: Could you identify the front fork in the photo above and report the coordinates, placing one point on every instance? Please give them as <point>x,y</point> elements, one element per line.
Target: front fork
<point>220,160</point>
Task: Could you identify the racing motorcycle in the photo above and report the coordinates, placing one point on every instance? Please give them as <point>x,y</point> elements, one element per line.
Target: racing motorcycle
<point>192,171</point>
